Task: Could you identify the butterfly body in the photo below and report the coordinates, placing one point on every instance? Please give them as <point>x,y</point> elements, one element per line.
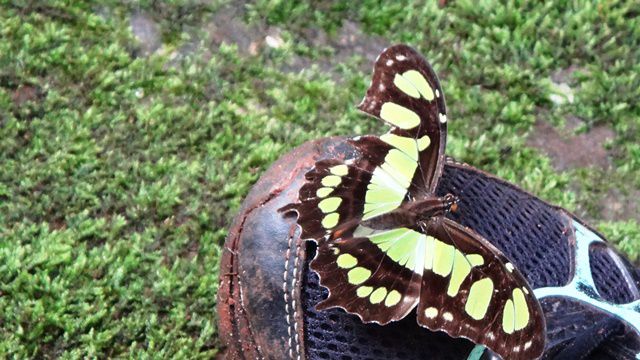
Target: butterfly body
<point>385,245</point>
<point>417,213</point>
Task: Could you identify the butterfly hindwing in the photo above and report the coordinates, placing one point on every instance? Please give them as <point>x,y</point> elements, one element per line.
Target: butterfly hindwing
<point>405,92</point>
<point>364,281</point>
<point>470,289</point>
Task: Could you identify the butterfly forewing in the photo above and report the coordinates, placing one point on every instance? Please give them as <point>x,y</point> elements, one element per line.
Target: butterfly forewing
<point>470,289</point>
<point>405,93</point>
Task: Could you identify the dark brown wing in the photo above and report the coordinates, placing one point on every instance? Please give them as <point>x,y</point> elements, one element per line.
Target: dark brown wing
<point>405,92</point>
<point>365,281</point>
<point>469,289</point>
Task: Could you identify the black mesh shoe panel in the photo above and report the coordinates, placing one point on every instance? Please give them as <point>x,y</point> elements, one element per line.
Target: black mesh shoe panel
<point>608,277</point>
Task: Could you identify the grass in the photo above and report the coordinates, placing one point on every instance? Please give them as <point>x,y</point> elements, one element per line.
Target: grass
<point>119,173</point>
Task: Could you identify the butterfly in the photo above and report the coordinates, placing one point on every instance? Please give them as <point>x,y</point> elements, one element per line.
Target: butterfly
<point>385,245</point>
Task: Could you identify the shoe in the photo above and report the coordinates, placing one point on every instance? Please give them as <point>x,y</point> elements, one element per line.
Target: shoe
<point>267,294</point>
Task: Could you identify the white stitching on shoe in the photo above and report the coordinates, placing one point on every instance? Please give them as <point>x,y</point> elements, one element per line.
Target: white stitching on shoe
<point>286,295</point>
<point>293,289</point>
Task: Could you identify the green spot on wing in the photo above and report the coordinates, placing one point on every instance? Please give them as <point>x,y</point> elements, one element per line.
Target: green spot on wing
<point>358,275</point>
<point>381,197</point>
<point>340,170</point>
<point>393,298</point>
<point>324,192</point>
<point>442,258</point>
<point>479,298</point>
<point>388,235</point>
<point>330,220</point>
<point>346,261</point>
<point>364,291</point>
<point>461,269</point>
<point>402,245</point>
<point>521,310</point>
<point>508,317</point>
<point>400,167</point>
<point>407,145</point>
<point>378,295</point>
<point>371,211</point>
<point>420,83</point>
<point>424,142</point>
<point>329,204</point>
<point>429,252</point>
<point>331,181</point>
<point>405,86</point>
<point>399,116</point>
<point>475,259</point>
<point>383,194</point>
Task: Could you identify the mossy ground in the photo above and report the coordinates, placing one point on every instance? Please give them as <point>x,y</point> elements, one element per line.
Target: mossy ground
<point>121,169</point>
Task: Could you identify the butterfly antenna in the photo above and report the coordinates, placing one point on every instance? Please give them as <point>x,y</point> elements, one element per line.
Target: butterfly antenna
<point>503,199</point>
<point>469,183</point>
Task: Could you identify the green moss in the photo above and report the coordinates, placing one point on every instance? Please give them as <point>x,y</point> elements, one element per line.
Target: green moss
<point>119,174</point>
<point>625,235</point>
